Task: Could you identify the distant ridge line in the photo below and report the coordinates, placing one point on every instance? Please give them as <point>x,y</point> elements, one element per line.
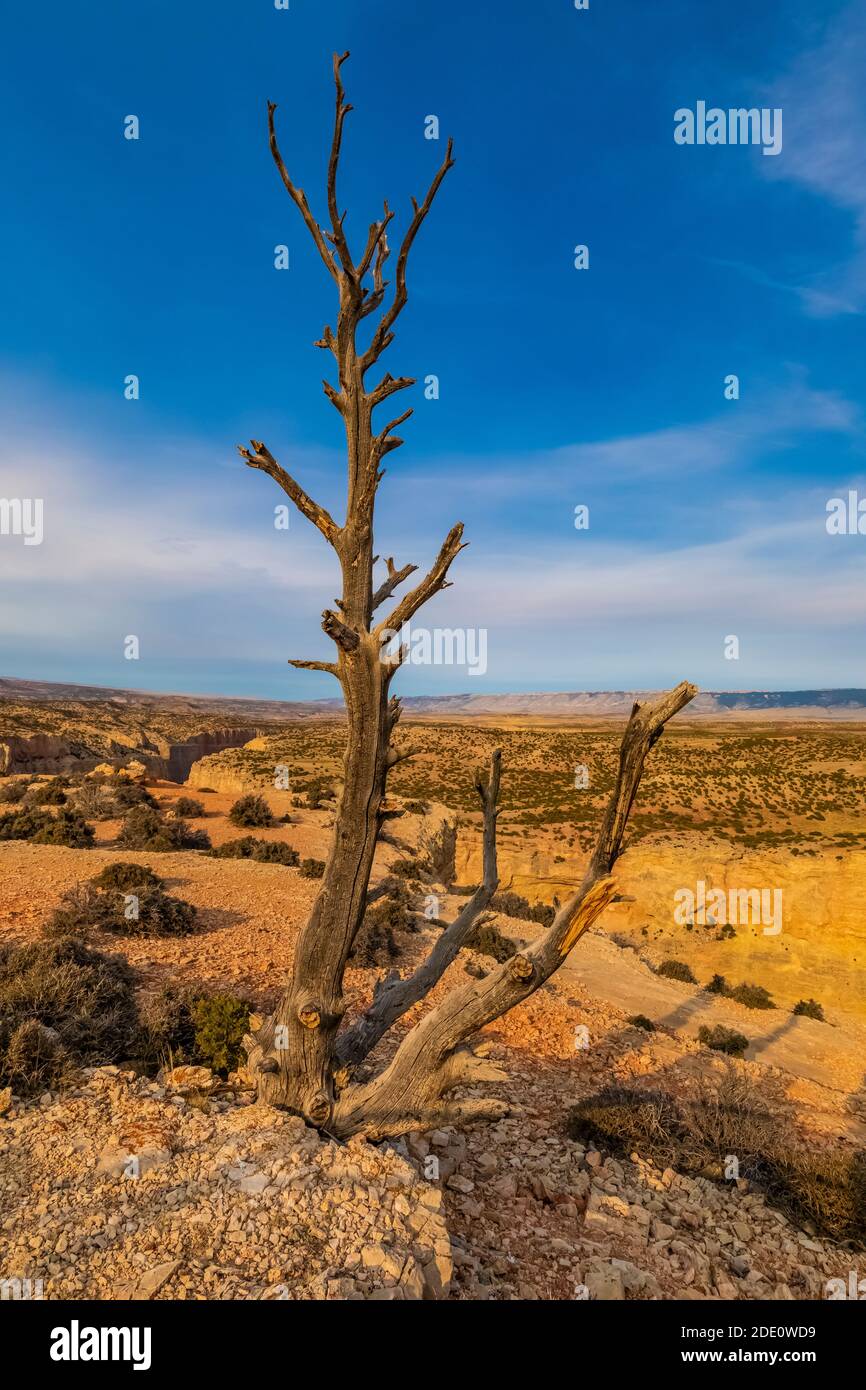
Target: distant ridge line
<point>845,702</point>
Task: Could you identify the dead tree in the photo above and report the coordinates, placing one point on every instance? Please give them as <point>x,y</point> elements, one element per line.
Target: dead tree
<point>299,1056</point>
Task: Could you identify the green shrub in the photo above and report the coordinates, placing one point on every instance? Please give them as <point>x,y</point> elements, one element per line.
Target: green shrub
<point>752,996</point>
<point>251,811</point>
<point>312,868</point>
<point>416,808</point>
<point>127,794</point>
<point>262,851</point>
<point>641,1021</point>
<point>154,914</point>
<point>127,877</point>
<point>146,911</point>
<point>220,1021</point>
<point>47,793</point>
<point>13,792</point>
<point>809,1008</point>
<point>61,1006</point>
<point>717,985</point>
<point>167,1032</point>
<point>487,939</point>
<point>410,868</point>
<point>722,1039</point>
<point>146,828</point>
<point>676,970</point>
<point>183,1026</point>
<point>515,905</point>
<point>188,806</point>
<point>319,791</point>
<point>66,828</point>
<point>375,943</point>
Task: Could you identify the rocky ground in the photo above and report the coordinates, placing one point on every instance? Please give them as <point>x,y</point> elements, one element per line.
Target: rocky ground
<point>126,1188</point>
<point>129,1189</point>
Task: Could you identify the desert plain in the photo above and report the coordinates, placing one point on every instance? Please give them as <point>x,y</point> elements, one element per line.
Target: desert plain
<point>234,1201</point>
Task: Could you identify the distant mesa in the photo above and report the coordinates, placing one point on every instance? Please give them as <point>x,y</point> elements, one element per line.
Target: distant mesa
<point>251,711</point>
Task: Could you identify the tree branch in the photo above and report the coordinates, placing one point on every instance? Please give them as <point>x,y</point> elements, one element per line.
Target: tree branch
<point>387,386</point>
<point>342,110</point>
<point>420,1072</point>
<point>387,587</point>
<point>383,335</point>
<point>317,666</point>
<point>345,637</point>
<point>257,456</point>
<point>433,581</point>
<point>384,441</point>
<point>395,996</point>
<point>298,196</point>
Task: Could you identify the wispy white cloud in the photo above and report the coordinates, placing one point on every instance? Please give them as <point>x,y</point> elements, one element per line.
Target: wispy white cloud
<point>758,425</point>
<point>823,96</point>
<point>202,576</point>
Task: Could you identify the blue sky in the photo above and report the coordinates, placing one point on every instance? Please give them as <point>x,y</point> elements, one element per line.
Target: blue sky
<point>557,387</point>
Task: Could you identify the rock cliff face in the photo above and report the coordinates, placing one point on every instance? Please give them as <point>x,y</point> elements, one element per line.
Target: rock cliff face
<point>51,753</point>
<point>182,756</point>
<point>819,949</point>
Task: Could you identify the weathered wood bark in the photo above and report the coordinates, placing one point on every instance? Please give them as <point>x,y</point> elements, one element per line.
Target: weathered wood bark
<point>292,1054</point>
<point>296,1054</point>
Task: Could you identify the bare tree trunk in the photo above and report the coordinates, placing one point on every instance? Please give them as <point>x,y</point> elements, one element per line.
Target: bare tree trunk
<point>297,1054</point>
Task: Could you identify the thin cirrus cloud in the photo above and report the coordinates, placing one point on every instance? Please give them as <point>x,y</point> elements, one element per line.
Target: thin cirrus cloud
<point>774,420</point>
<point>823,98</point>
<point>201,574</point>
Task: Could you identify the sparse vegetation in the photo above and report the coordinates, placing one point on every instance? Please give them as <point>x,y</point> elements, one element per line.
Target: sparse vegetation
<point>62,1005</point>
<point>67,828</point>
<point>809,1008</point>
<point>188,807</point>
<point>312,868</point>
<point>146,828</point>
<point>51,793</point>
<point>251,812</point>
<point>143,911</point>
<point>722,1039</point>
<point>13,792</point>
<point>515,905</point>
<point>127,877</point>
<point>824,1186</point>
<point>376,944</point>
<point>488,940</point>
<point>411,868</point>
<point>319,792</point>
<point>641,1021</point>
<point>676,970</point>
<point>262,851</point>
